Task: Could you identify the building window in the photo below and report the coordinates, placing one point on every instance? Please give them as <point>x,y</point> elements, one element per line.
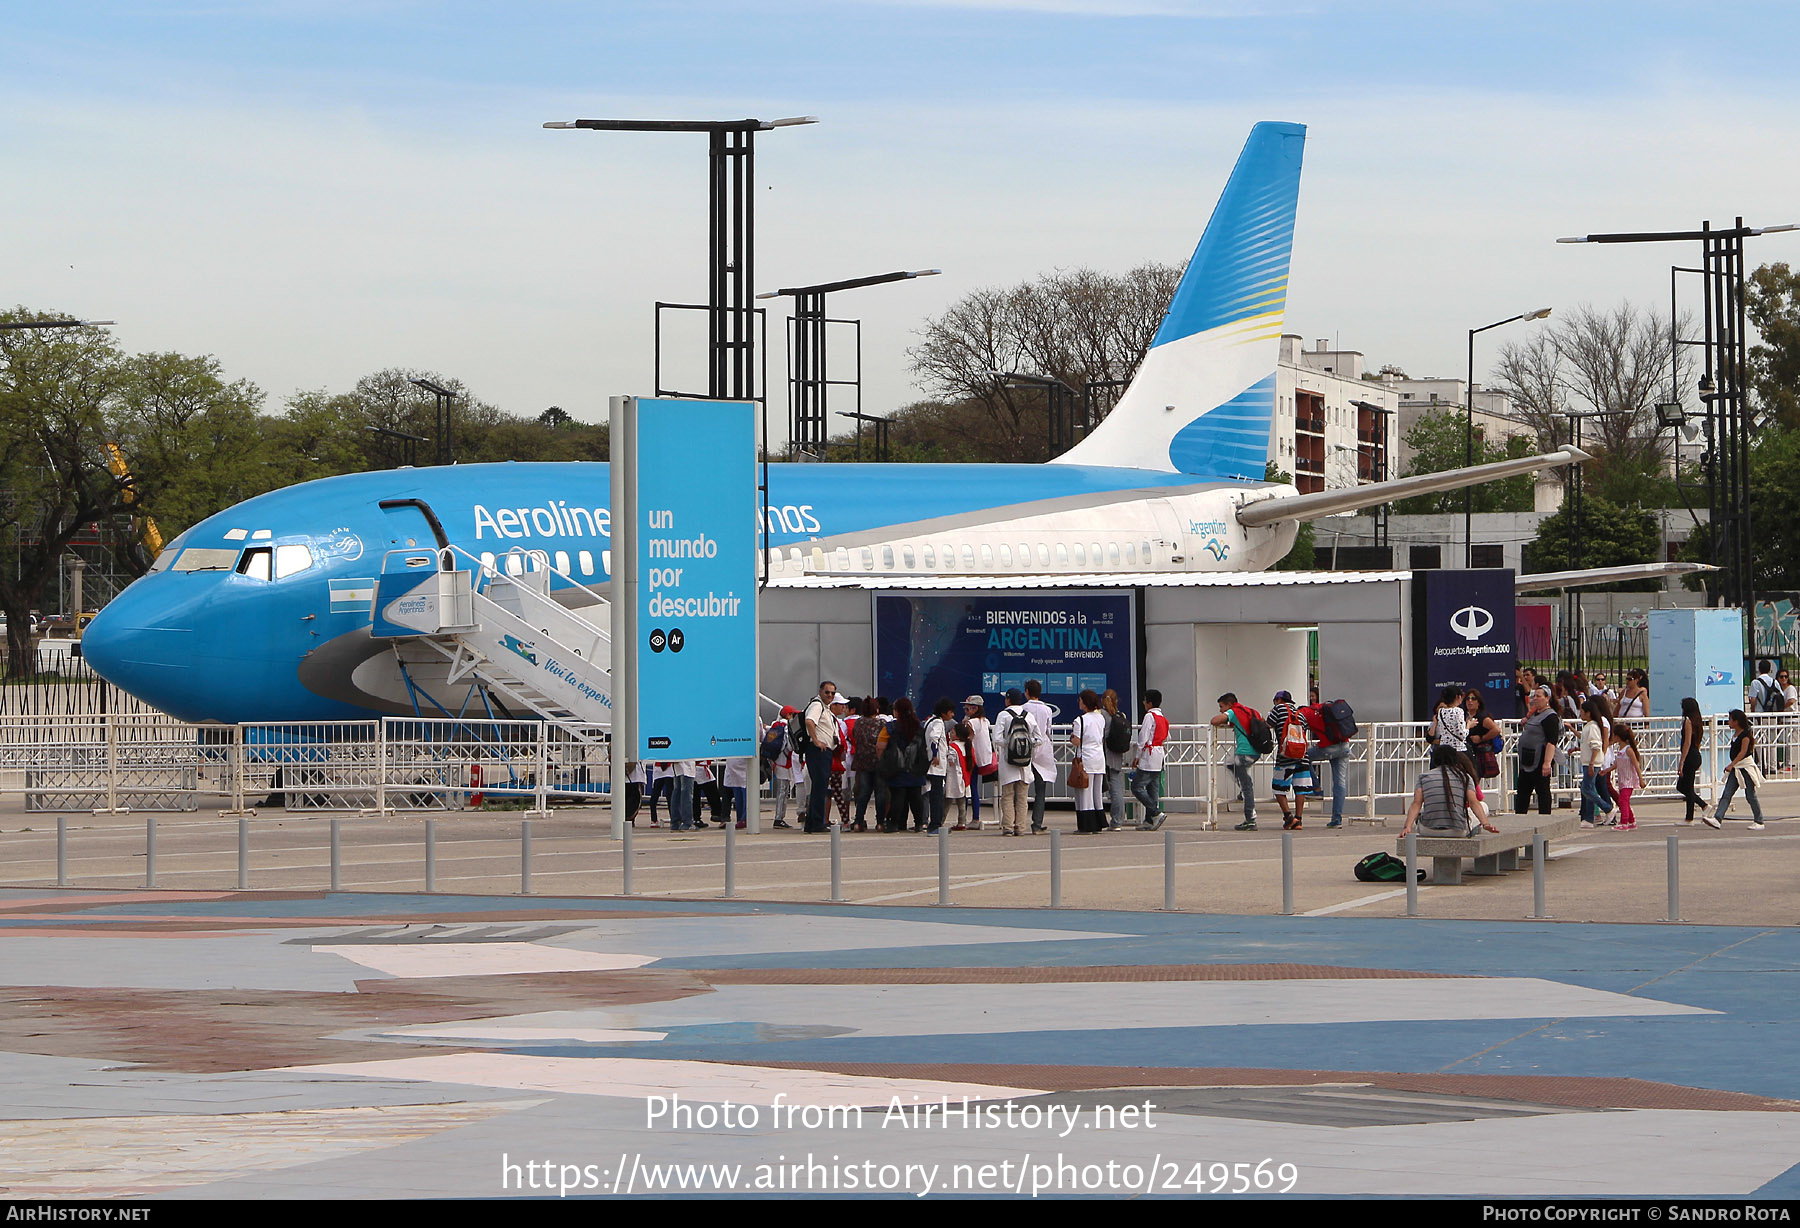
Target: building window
<point>1424,558</point>
<point>1489,556</point>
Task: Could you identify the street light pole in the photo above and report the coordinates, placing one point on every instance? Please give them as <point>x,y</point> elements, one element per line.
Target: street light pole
<point>1469,429</point>
<point>1054,391</point>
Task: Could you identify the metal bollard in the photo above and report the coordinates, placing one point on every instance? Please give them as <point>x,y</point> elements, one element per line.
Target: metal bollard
<point>1674,879</point>
<point>62,851</point>
<point>1168,870</point>
<point>1412,874</point>
<point>150,851</point>
<point>1056,867</point>
<point>243,854</point>
<point>1287,873</point>
<point>430,855</point>
<point>730,858</point>
<point>525,857</point>
<point>943,838</point>
<point>336,855</point>
<point>837,867</point>
<point>1537,877</point>
<point>625,865</point>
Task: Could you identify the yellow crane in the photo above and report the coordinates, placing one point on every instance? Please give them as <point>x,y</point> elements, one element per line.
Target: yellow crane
<point>150,534</point>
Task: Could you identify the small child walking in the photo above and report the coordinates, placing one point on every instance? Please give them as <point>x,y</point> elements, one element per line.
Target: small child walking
<point>1627,768</point>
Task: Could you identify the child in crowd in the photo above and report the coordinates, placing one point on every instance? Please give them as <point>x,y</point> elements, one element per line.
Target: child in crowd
<point>1626,767</point>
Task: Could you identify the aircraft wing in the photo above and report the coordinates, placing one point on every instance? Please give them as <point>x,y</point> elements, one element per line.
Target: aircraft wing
<point>1544,580</point>
<point>1354,498</point>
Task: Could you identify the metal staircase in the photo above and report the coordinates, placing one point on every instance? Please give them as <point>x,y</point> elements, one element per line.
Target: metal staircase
<point>501,627</point>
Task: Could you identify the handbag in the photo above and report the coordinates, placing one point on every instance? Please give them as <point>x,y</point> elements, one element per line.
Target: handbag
<point>1078,777</point>
<point>1487,763</point>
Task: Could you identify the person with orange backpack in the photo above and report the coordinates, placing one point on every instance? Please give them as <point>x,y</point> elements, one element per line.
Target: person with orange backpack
<point>1146,771</point>
<point>1293,774</point>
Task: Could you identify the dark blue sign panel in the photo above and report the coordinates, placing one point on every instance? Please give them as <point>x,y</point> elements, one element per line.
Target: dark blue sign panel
<point>1464,636</point>
<point>934,644</point>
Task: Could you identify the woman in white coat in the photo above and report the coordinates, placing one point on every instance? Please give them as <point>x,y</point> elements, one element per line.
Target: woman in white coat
<point>1087,745</point>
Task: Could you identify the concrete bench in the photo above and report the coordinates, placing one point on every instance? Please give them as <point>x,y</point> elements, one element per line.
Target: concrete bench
<point>1492,852</point>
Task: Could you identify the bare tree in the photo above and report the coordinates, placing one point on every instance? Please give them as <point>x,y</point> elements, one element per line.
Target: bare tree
<point>1530,373</point>
<point>1075,326</point>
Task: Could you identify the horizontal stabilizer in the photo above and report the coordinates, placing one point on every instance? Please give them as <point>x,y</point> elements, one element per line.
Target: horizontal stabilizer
<point>1354,498</point>
<point>1543,581</point>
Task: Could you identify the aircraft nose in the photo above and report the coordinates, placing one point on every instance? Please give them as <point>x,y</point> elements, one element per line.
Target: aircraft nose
<point>139,643</point>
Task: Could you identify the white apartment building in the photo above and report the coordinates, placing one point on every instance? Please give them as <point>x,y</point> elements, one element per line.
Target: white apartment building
<point>1332,428</point>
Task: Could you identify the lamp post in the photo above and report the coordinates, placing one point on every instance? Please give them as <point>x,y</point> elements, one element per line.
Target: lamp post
<point>808,374</point>
<point>446,451</point>
<point>1469,429</point>
<point>1057,395</point>
<point>1722,386</point>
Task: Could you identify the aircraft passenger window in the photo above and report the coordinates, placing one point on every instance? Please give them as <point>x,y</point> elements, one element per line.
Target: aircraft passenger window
<point>930,557</point>
<point>794,557</point>
<point>887,558</point>
<point>907,557</point>
<point>515,564</point>
<point>949,555</point>
<point>968,558</point>
<point>1144,549</point>
<point>1024,554</point>
<point>255,563</point>
<point>1094,553</point>
<point>1062,555</point>
<point>1005,555</point>
<point>840,559</point>
<point>487,560</point>
<point>868,559</point>
<point>987,555</point>
<point>1131,553</point>
<point>562,561</point>
<point>291,559</point>
<point>1112,553</point>
<point>1043,555</point>
<point>1080,555</point>
<point>586,559</point>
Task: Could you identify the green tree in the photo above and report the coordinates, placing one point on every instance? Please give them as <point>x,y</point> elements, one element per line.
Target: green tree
<point>1609,536</point>
<point>1772,301</point>
<point>60,398</point>
<point>1438,444</point>
<point>1774,508</point>
<point>1300,556</point>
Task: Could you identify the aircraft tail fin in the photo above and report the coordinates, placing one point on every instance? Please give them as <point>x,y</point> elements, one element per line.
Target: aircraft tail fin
<point>1203,399</point>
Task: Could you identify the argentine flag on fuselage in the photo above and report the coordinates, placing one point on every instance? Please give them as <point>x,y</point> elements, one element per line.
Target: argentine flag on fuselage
<point>1203,399</point>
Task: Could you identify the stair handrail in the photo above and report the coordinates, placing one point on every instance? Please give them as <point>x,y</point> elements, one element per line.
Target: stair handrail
<point>447,556</point>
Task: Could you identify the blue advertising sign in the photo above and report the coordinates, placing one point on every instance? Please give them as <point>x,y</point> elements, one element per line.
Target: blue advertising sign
<point>1698,653</point>
<point>696,562</point>
<point>930,645</point>
<point>1464,636</point>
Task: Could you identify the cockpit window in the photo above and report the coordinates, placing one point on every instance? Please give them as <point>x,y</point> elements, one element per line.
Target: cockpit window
<point>291,559</point>
<point>255,563</point>
<point>205,558</point>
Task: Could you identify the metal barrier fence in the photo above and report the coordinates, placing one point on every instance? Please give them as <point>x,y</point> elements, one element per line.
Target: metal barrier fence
<point>123,762</point>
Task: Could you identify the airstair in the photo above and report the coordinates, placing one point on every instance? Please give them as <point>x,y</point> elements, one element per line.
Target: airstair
<point>499,626</point>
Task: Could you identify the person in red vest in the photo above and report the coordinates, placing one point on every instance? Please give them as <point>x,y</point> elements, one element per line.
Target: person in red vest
<point>1325,750</point>
<point>1146,771</point>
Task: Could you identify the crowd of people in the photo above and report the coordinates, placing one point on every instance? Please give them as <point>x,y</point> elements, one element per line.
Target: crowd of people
<point>867,764</point>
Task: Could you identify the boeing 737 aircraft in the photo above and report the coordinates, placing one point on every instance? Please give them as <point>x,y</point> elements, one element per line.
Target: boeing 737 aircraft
<point>265,612</point>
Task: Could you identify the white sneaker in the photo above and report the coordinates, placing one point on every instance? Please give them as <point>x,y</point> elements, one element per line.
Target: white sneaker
<point>1756,827</point>
<point>1711,820</point>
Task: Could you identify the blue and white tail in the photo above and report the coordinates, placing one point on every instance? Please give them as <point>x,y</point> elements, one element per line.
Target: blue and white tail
<point>1203,399</point>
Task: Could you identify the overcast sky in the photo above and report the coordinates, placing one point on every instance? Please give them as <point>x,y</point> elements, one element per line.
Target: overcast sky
<point>313,189</point>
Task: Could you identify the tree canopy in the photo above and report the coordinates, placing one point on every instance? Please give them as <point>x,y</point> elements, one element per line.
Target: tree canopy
<point>1438,443</point>
<point>1607,535</point>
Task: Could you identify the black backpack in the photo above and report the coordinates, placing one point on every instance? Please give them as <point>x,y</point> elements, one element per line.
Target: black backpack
<point>1118,734</point>
<point>1260,736</point>
<point>1018,739</point>
<point>1339,721</point>
<point>796,730</point>
<point>902,758</point>
<point>1382,868</point>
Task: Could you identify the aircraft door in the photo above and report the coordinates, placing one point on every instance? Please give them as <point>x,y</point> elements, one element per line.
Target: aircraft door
<point>411,522</point>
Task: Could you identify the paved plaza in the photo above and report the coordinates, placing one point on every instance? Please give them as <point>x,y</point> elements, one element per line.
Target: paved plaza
<point>208,1043</point>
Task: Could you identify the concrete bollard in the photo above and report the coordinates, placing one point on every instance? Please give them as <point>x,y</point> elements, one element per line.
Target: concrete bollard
<point>730,859</point>
<point>1674,879</point>
<point>150,851</point>
<point>1056,867</point>
<point>243,854</point>
<point>430,855</point>
<point>943,843</point>
<point>336,854</point>
<point>525,857</point>
<point>1538,857</point>
<point>1412,874</point>
<point>1168,870</point>
<point>837,866</point>
<point>1287,873</point>
<point>625,864</point>
<point>62,851</point>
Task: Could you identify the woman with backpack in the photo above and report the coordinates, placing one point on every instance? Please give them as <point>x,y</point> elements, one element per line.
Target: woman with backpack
<point>1118,757</point>
<point>903,763</point>
<point>1087,750</point>
<point>865,752</point>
